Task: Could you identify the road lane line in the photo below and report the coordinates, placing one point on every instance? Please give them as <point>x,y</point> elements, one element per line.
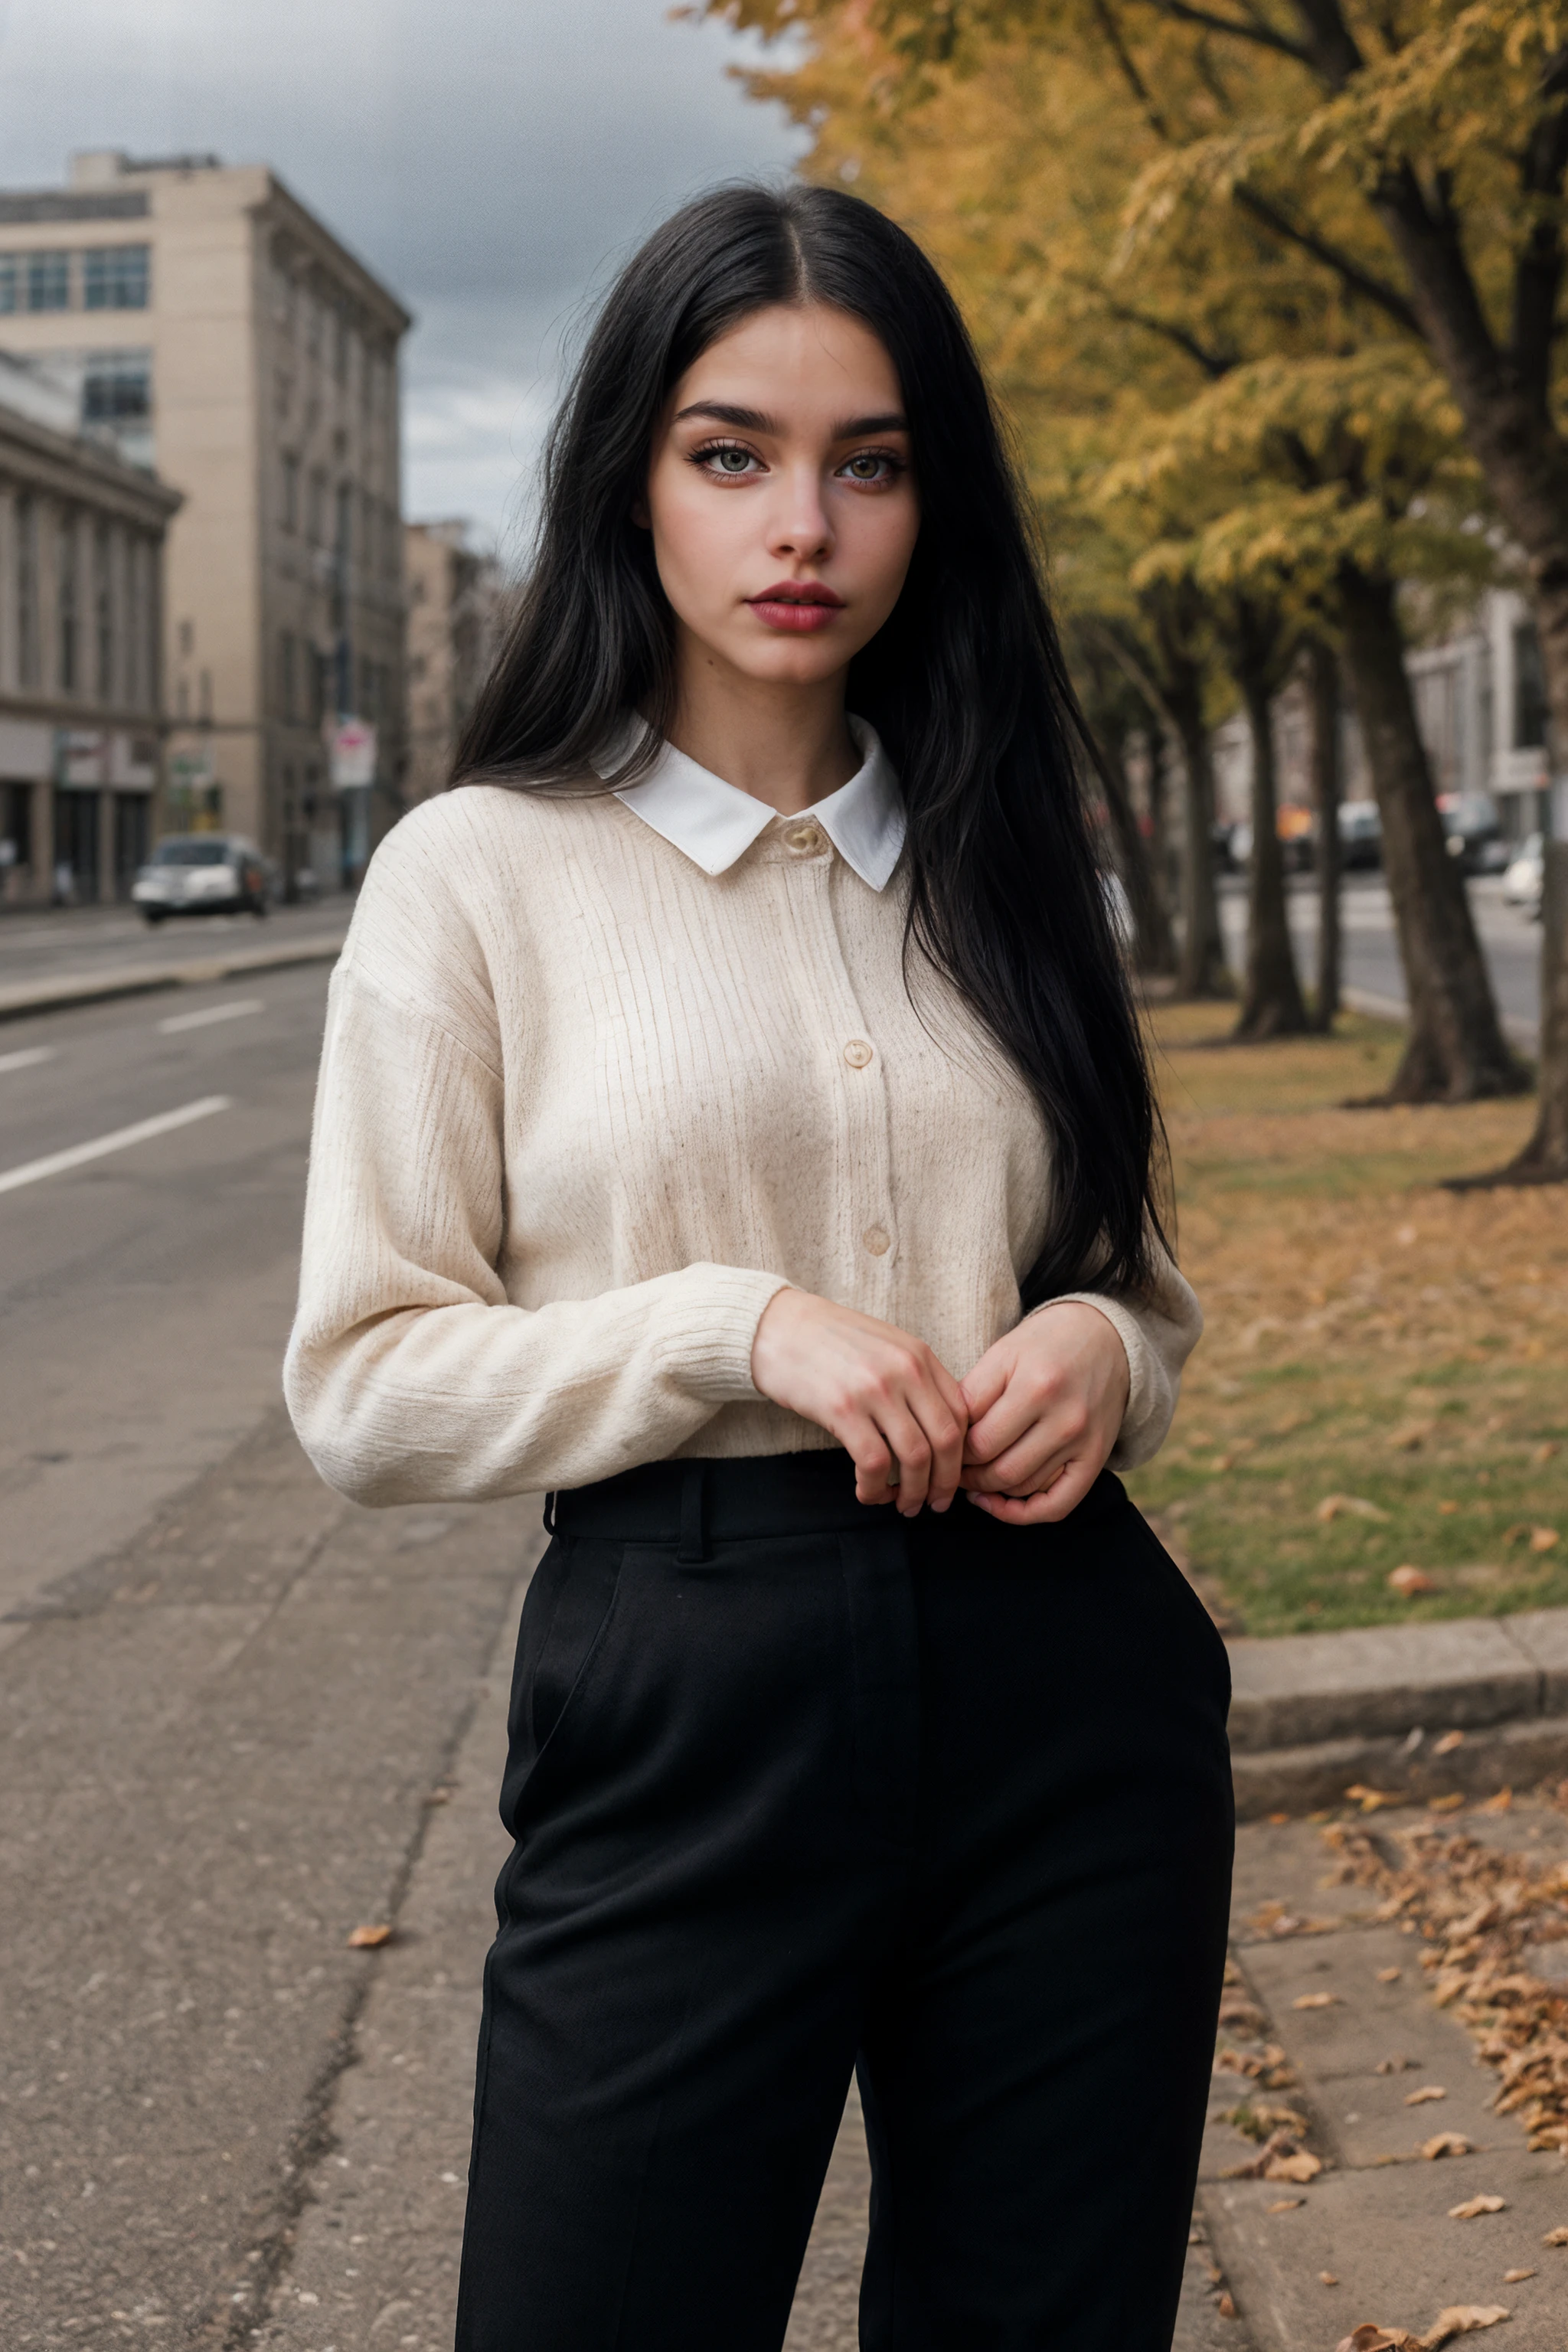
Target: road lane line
<point>28,1058</point>
<point>56,1163</point>
<point>210,1013</point>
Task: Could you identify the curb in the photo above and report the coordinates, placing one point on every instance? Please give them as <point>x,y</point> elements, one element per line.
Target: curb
<point>1313,1713</point>
<point>71,988</point>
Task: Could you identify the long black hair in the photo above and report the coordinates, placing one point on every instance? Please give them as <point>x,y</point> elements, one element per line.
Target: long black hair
<point>965,683</point>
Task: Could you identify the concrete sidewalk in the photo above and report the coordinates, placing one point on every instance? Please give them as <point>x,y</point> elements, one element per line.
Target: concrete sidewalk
<point>55,991</point>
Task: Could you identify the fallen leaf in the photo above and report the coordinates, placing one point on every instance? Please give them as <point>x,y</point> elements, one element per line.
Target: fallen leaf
<point>1511,2278</point>
<point>1447,1509</point>
<point>1278,1821</point>
<point>1369,2337</point>
<point>1389,1976</point>
<point>1412,1437</point>
<point>1461,2319</point>
<point>1501,1803</point>
<point>365,1939</point>
<point>1328,2278</point>
<point>1302,2165</point>
<point>1420,2098</point>
<point>1520,1532</point>
<point>1555,2238</point>
<point>1369,1799</point>
<point>1544,1453</point>
<point>1226,2307</point>
<point>1410,1581</point>
<point>1285,2205</point>
<point>1473,2207</point>
<point>1333,1507</point>
<point>1315,2001</point>
<point>1446,1745</point>
<point>1446,2144</point>
<point>1393,2065</point>
<point>1543,1538</point>
<point>1446,1804</point>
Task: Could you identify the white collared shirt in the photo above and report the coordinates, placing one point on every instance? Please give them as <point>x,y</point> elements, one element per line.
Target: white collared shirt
<point>714,823</point>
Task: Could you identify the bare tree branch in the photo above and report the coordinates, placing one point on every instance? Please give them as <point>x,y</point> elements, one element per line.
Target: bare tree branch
<point>1388,299</point>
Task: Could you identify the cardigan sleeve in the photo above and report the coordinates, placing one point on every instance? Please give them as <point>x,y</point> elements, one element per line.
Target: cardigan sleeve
<point>1159,1334</point>
<point>410,1376</point>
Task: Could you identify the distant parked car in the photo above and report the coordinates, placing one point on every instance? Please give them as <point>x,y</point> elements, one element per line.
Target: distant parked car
<point>1474,831</point>
<point>1525,879</point>
<point>203,873</point>
<point>1360,835</point>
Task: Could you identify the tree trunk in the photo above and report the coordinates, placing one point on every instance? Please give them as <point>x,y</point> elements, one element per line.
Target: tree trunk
<point>1456,1051</point>
<point>1272,1003</point>
<point>1511,426</point>
<point>1153,945</point>
<point>1323,691</point>
<point>1201,970</point>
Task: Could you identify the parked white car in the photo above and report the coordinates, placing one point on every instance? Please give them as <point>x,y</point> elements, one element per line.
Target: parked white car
<point>203,873</point>
<point>1523,881</point>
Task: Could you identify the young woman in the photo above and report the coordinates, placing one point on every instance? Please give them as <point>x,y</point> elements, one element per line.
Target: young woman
<point>733,1120</point>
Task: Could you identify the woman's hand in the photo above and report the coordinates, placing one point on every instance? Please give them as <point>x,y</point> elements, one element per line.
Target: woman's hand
<point>884,1396</point>
<point>1045,1406</point>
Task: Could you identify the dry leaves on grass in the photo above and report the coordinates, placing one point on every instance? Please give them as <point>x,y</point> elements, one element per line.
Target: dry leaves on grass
<point>1459,2319</point>
<point>1411,1582</point>
<point>1336,1507</point>
<point>1479,1911</point>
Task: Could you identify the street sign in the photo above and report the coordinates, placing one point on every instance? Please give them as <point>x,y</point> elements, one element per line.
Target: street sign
<point>352,751</point>
<point>190,771</point>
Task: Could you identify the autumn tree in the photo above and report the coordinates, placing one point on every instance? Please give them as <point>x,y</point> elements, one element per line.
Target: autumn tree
<point>1415,153</point>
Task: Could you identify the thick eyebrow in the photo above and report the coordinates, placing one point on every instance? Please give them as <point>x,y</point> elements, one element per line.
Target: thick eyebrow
<point>755,420</point>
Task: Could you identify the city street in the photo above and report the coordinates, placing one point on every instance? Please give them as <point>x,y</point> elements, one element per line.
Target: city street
<point>247,1718</point>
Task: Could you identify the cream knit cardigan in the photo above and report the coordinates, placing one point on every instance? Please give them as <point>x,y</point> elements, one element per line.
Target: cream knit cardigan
<point>584,1108</point>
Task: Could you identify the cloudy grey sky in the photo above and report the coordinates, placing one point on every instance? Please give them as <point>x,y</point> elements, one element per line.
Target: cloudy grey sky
<point>490,159</point>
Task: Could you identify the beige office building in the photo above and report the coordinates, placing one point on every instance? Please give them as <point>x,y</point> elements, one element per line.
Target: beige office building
<point>82,547</point>
<point>211,326</point>
<point>455,602</point>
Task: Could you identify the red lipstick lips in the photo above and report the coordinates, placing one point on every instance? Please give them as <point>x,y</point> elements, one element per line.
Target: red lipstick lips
<point>796,606</point>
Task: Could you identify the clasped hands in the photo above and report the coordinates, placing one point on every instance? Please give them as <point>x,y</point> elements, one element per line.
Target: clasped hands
<point>1026,1433</point>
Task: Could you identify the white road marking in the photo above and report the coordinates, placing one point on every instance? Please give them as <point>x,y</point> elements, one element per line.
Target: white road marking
<point>210,1013</point>
<point>28,1058</point>
<point>56,1163</point>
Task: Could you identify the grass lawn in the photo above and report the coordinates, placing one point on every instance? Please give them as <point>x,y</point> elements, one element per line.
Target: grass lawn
<point>1369,1339</point>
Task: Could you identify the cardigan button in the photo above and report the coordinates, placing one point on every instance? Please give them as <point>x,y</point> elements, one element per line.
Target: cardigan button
<point>857,1053</point>
<point>877,1240</point>
<point>802,839</point>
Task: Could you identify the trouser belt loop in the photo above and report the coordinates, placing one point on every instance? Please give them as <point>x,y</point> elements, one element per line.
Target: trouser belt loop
<point>693,1538</point>
<point>550,1514</point>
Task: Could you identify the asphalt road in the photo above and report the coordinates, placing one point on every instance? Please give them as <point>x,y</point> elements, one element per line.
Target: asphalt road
<point>42,945</point>
<point>1370,955</point>
<point>145,1295</point>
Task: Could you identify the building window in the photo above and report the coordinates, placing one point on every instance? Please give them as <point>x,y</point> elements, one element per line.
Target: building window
<point>317,517</point>
<point>103,610</point>
<point>290,516</point>
<point>26,591</point>
<point>1529,707</point>
<point>49,281</point>
<point>17,824</point>
<point>342,542</point>
<point>66,589</point>
<point>117,388</point>
<point>340,344</point>
<point>115,277</point>
<point>286,677</point>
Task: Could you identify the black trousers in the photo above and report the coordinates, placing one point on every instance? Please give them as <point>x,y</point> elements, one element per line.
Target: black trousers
<point>799,1785</point>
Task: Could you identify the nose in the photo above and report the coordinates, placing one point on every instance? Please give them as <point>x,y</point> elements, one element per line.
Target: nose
<point>799,526</point>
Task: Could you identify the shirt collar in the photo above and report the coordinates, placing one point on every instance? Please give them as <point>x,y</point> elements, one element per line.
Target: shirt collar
<point>714,823</point>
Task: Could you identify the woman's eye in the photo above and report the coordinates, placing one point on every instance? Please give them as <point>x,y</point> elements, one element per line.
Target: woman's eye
<point>726,460</point>
<point>872,466</point>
